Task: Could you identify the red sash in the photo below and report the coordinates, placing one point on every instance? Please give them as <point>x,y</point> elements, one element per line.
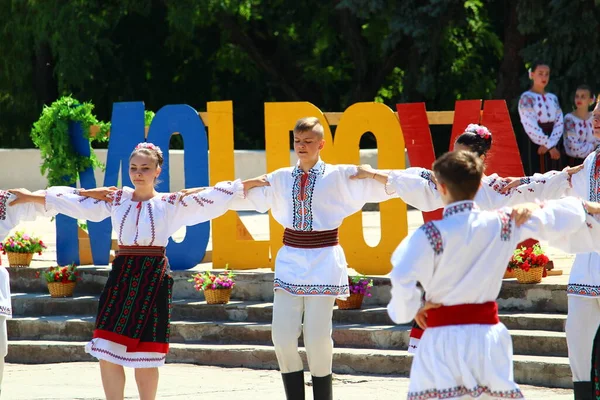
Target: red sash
<point>464,314</point>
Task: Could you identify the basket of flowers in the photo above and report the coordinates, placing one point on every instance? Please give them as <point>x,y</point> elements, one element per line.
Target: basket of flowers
<point>528,263</point>
<point>216,288</point>
<point>20,247</point>
<point>61,280</point>
<point>360,286</point>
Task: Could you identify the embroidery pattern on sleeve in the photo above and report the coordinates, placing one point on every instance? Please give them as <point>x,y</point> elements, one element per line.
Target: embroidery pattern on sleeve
<point>434,236</point>
<point>426,174</point>
<point>118,195</point>
<point>505,226</point>
<point>3,199</point>
<point>595,178</point>
<point>170,198</point>
<point>303,215</point>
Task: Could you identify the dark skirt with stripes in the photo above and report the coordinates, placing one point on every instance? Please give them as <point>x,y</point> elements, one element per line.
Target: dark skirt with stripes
<point>134,312</point>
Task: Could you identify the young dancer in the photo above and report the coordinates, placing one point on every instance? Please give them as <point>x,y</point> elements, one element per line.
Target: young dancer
<point>542,120</point>
<point>579,137</point>
<point>9,218</point>
<point>465,351</point>
<point>310,200</point>
<point>583,290</point>
<point>132,324</point>
<point>494,191</point>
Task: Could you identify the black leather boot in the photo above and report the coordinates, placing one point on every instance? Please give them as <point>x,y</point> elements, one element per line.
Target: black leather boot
<point>322,388</point>
<point>583,391</point>
<point>293,382</point>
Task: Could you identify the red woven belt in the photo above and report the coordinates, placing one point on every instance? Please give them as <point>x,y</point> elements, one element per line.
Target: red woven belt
<point>464,314</point>
<point>141,251</point>
<point>310,239</point>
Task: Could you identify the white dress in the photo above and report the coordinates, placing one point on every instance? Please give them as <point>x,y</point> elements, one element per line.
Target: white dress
<point>579,137</point>
<point>11,216</point>
<point>330,196</point>
<point>425,196</point>
<point>466,361</point>
<point>142,223</point>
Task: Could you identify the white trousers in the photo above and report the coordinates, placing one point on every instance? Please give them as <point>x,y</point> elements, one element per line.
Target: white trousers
<point>287,326</point>
<point>3,346</point>
<point>583,321</point>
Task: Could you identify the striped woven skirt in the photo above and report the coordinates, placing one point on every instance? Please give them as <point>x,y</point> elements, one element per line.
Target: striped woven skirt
<point>134,312</point>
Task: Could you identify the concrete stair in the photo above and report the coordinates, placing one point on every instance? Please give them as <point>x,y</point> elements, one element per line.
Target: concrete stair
<point>47,330</point>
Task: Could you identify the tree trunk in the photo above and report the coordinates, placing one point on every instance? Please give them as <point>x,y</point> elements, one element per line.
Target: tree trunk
<point>44,82</point>
<point>509,87</point>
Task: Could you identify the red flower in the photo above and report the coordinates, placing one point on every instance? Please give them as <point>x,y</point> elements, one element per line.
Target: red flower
<point>525,266</point>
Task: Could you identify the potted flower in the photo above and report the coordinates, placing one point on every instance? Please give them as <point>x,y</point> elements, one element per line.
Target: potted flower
<point>528,264</point>
<point>360,286</point>
<point>61,280</point>
<point>20,248</point>
<point>217,288</point>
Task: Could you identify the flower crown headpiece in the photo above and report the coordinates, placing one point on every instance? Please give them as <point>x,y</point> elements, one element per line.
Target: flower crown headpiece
<point>149,146</point>
<point>479,130</point>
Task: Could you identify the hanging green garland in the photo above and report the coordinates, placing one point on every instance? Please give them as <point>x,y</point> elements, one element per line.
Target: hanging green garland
<point>50,134</point>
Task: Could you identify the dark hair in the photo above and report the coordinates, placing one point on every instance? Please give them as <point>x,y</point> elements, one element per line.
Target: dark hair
<point>461,171</point>
<point>585,87</point>
<point>150,150</point>
<point>474,141</point>
<point>538,63</point>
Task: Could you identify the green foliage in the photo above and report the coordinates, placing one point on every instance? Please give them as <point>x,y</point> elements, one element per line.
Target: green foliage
<point>50,134</point>
<point>65,274</point>
<point>254,51</point>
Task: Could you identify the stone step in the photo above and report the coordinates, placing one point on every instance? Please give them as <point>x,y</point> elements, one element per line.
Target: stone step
<point>548,296</point>
<point>530,370</point>
<point>28,304</point>
<point>526,342</point>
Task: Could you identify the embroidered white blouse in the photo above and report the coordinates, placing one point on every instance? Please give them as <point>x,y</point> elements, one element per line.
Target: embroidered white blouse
<point>579,137</point>
<point>146,223</point>
<point>534,108</point>
<point>329,197</point>
<point>435,255</point>
<point>11,216</point>
<point>584,279</point>
<point>425,196</point>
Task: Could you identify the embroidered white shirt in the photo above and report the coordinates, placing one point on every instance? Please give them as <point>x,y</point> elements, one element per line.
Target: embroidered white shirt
<point>425,197</point>
<point>534,108</point>
<point>461,259</point>
<point>11,216</point>
<point>329,197</point>
<point>584,279</point>
<point>579,137</point>
<point>146,223</point>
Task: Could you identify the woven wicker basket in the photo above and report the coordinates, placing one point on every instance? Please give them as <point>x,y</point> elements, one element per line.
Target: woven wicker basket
<point>59,289</point>
<point>354,302</point>
<point>534,275</point>
<point>19,259</point>
<point>217,296</point>
<point>509,273</point>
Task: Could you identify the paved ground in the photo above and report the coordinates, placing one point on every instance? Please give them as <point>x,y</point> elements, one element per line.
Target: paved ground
<point>187,382</point>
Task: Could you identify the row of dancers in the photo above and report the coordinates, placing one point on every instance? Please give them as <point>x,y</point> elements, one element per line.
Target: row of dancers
<point>464,350</point>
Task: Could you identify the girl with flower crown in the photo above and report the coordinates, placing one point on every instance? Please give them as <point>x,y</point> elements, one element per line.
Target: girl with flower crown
<point>542,120</point>
<point>579,137</point>
<point>132,324</point>
<point>9,218</point>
